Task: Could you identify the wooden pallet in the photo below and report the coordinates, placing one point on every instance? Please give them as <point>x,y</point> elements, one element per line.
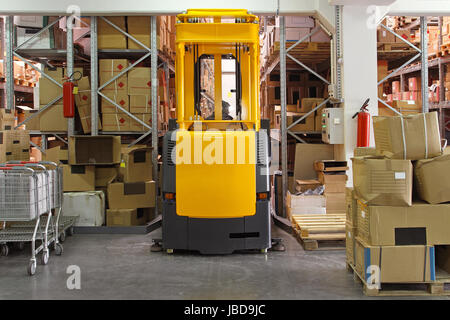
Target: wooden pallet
<point>320,231</point>
<point>440,287</point>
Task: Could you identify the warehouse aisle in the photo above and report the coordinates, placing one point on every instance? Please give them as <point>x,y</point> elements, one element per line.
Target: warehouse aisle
<point>122,267</point>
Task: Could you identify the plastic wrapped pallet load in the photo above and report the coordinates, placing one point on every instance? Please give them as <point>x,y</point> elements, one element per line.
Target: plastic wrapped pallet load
<point>88,206</point>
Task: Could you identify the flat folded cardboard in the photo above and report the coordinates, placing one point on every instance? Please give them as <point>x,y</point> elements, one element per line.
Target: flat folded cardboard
<point>131,195</point>
<point>127,217</point>
<point>432,179</point>
<point>306,154</point>
<point>116,122</point>
<point>110,38</point>
<point>105,175</point>
<point>78,178</point>
<point>382,181</point>
<point>422,223</point>
<point>140,104</point>
<point>335,202</point>
<point>350,238</point>
<point>417,135</point>
<point>304,185</point>
<point>364,151</point>
<point>300,204</point>
<point>56,155</point>
<point>52,119</point>
<point>139,81</point>
<point>6,119</point>
<point>97,150</point>
<point>136,164</point>
<point>397,264</point>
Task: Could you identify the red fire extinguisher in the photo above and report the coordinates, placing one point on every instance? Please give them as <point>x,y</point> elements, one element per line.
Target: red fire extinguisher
<point>363,125</point>
<point>69,90</point>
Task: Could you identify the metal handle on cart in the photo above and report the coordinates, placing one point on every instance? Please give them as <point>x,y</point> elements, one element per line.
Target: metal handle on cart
<point>33,162</point>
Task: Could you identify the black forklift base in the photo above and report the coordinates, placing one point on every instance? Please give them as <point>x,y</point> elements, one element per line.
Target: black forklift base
<point>216,236</point>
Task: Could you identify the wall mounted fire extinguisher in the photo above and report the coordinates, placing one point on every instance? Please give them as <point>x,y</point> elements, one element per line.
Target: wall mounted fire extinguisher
<point>69,90</point>
<point>363,138</point>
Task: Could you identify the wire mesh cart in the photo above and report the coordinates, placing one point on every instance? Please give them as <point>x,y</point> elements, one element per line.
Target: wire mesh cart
<point>28,191</point>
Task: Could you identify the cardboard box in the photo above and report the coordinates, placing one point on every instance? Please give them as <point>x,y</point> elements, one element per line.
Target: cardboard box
<point>78,178</point>
<point>307,104</point>
<point>136,164</point>
<point>350,246</point>
<point>97,150</point>
<point>89,207</point>
<point>110,68</point>
<point>56,155</point>
<point>335,202</point>
<point>364,151</point>
<point>318,123</point>
<point>135,195</point>
<point>385,36</point>
<point>6,119</point>
<point>113,122</point>
<point>422,223</point>
<point>380,181</point>
<point>351,206</point>
<point>397,264</point>
<point>306,124</point>
<point>105,175</point>
<point>110,38</point>
<point>139,81</point>
<point>432,179</point>
<point>389,136</point>
<point>48,90</point>
<point>52,119</point>
<point>414,84</point>
<point>32,124</point>
<point>83,97</point>
<point>304,185</point>
<point>85,117</point>
<point>305,155</point>
<point>140,104</point>
<point>127,217</point>
<point>122,99</point>
<point>330,178</point>
<point>139,127</point>
<point>300,204</point>
<point>139,28</point>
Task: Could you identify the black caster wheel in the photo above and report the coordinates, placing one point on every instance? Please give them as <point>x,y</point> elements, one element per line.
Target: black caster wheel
<point>62,236</point>
<point>4,250</point>
<point>69,231</point>
<point>58,249</point>
<point>156,246</point>
<point>31,269</point>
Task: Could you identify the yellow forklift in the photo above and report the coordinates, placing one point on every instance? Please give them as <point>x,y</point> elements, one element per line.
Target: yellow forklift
<point>216,154</point>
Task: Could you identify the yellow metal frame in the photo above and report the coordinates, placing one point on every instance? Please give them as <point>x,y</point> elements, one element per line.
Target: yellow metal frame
<point>217,38</point>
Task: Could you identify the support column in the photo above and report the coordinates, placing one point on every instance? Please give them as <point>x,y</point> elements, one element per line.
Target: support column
<point>284,154</point>
<point>9,63</point>
<point>94,77</point>
<point>154,77</point>
<point>70,121</point>
<point>359,41</point>
<point>424,64</point>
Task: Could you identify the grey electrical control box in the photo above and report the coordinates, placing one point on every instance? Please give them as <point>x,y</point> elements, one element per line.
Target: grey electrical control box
<point>333,125</point>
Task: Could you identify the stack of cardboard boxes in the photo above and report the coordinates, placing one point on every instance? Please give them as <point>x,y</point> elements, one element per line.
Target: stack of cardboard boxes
<point>398,211</point>
<point>312,123</point>
<point>14,144</point>
<point>332,176</point>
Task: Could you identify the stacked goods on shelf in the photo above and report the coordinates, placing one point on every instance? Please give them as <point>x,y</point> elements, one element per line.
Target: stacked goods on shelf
<point>83,103</point>
<point>332,175</point>
<point>397,228</point>
<point>14,144</point>
<point>132,199</point>
<point>139,91</point>
<point>27,26</point>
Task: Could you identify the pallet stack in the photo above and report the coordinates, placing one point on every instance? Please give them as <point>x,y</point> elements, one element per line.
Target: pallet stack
<point>399,205</point>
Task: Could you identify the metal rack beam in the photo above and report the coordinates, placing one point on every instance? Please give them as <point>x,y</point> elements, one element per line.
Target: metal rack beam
<point>424,63</point>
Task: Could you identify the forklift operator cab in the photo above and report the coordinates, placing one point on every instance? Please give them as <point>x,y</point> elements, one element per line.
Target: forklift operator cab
<point>215,187</point>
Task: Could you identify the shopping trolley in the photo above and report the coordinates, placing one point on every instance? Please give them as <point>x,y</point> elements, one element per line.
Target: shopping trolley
<point>24,197</point>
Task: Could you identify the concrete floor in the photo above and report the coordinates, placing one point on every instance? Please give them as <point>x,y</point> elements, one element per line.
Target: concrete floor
<point>122,267</point>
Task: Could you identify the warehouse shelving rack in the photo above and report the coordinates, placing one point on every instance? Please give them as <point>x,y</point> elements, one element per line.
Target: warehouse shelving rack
<point>68,57</point>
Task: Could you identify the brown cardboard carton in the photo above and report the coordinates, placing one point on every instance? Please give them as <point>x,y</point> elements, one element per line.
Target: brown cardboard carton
<point>306,124</point>
<point>84,92</point>
<point>140,104</point>
<point>85,117</point>
<point>381,181</point>
<point>304,185</point>
<point>332,178</point>
<point>306,154</point>
<point>397,264</point>
<point>135,195</point>
<point>48,90</point>
<point>52,119</point>
<point>338,187</point>
<point>139,127</point>
<point>110,68</point>
<point>432,179</point>
<point>110,38</point>
<point>6,119</point>
<point>139,81</point>
<point>32,124</point>
<point>318,123</point>
<point>301,204</point>
<point>307,104</point>
<point>351,206</point>
<point>78,178</point>
<point>350,238</point>
<point>105,175</point>
<point>116,122</point>
<point>421,223</point>
<point>364,151</point>
<point>119,98</point>
<point>335,202</point>
<point>136,164</point>
<point>56,155</point>
<point>97,150</point>
<point>139,28</point>
<point>419,138</point>
<point>127,217</point>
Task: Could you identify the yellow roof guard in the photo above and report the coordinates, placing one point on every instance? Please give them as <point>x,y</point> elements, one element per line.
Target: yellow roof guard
<point>218,13</point>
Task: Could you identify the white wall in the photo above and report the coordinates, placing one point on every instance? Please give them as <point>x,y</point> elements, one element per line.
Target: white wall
<point>359,72</point>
